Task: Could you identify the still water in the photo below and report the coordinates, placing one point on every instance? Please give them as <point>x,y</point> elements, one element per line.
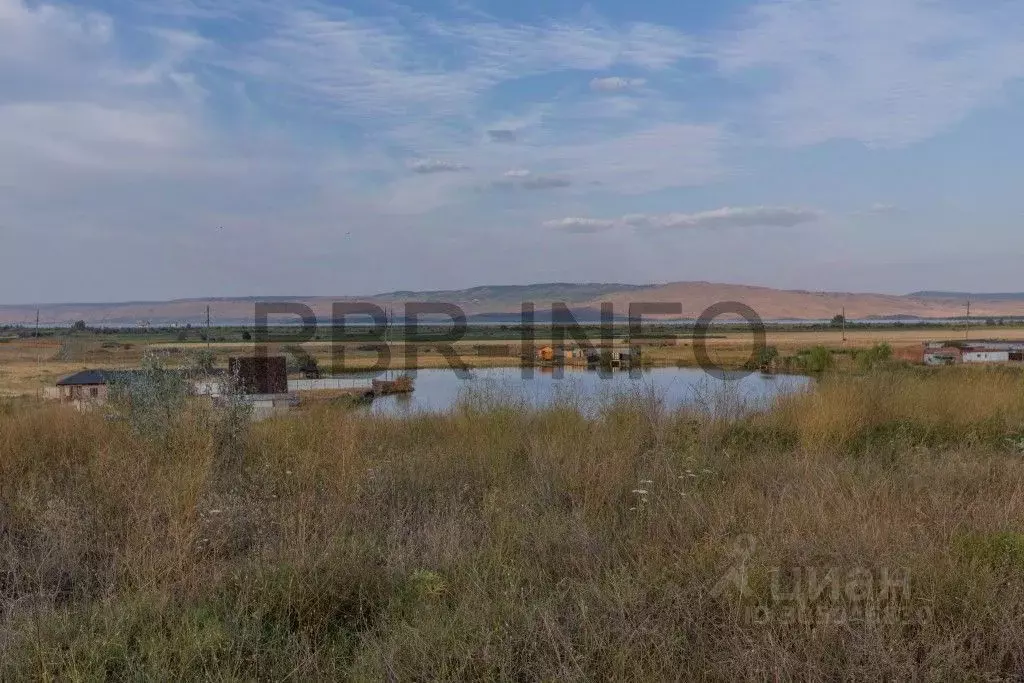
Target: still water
<point>442,390</point>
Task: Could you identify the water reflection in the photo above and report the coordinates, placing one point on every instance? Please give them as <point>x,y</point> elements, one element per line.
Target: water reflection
<point>440,390</point>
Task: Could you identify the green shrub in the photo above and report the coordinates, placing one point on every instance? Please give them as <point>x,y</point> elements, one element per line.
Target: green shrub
<point>1004,549</point>
<point>149,400</point>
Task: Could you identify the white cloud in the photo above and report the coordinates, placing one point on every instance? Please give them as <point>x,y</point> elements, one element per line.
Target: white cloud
<point>727,217</point>
<point>435,166</point>
<point>525,180</point>
<point>616,83</point>
<point>139,123</point>
<point>29,32</point>
<point>878,209</point>
<point>883,207</point>
<point>502,135</point>
<point>545,182</point>
<point>591,45</point>
<point>94,136</point>
<point>383,76</point>
<point>581,226</point>
<point>882,72</point>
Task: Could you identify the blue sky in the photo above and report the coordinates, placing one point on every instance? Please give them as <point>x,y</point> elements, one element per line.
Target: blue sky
<point>200,148</point>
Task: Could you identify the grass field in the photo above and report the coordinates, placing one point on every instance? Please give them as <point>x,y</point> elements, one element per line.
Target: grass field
<point>870,528</point>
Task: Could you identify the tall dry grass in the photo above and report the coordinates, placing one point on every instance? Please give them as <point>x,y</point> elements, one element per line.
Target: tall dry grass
<point>503,543</point>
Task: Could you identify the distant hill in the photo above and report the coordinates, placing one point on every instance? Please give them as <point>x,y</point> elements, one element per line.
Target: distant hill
<point>502,303</point>
<point>965,296</point>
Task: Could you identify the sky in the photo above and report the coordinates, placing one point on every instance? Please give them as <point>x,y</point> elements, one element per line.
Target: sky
<point>160,149</point>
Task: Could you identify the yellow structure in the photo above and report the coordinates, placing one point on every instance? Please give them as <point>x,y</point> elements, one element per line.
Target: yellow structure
<point>550,354</point>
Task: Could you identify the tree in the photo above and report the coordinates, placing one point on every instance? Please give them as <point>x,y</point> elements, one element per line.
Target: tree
<point>79,326</point>
<point>150,399</point>
<point>838,320</point>
<point>303,362</point>
<point>246,336</point>
<point>203,362</point>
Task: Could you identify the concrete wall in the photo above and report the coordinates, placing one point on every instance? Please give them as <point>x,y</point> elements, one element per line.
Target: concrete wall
<point>208,388</point>
<point>986,356</point>
<point>269,405</point>
<point>328,383</point>
<point>97,393</point>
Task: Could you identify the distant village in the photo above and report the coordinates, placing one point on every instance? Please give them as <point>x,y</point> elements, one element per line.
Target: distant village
<point>980,351</point>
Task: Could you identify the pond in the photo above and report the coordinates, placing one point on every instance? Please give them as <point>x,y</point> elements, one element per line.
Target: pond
<point>441,390</point>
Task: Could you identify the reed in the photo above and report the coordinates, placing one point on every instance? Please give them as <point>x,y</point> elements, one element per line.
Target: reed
<point>499,542</point>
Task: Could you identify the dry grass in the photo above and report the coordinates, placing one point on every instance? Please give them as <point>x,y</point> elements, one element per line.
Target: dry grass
<point>506,544</point>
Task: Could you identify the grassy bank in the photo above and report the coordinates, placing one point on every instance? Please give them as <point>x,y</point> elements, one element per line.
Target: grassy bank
<point>514,544</point>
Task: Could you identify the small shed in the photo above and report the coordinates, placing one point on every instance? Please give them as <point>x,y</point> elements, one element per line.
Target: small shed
<point>90,386</point>
<point>87,385</point>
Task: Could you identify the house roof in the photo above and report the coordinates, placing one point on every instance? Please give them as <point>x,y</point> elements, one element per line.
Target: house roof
<point>94,377</point>
<point>85,377</point>
<point>99,377</point>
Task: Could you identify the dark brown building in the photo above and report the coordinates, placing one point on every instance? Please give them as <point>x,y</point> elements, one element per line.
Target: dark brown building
<point>260,374</point>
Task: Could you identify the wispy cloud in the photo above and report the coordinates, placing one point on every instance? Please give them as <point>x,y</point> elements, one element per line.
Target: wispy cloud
<point>120,122</point>
<point>582,226</point>
<point>881,72</point>
<point>523,179</point>
<point>878,209</point>
<point>435,166</point>
<point>727,217</point>
<point>616,83</point>
<point>502,135</point>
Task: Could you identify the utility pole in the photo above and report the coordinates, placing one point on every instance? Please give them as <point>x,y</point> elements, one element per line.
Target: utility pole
<point>39,359</point>
<point>387,339</point>
<point>207,327</point>
<point>967,327</point>
<point>844,323</point>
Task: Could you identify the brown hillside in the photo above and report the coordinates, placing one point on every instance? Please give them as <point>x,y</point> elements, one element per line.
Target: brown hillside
<point>695,297</point>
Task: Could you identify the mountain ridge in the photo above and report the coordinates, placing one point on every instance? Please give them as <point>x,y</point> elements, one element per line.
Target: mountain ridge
<point>498,301</point>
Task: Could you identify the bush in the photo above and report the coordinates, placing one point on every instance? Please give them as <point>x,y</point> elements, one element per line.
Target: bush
<point>817,359</point>
<point>871,358</point>
<point>149,400</point>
